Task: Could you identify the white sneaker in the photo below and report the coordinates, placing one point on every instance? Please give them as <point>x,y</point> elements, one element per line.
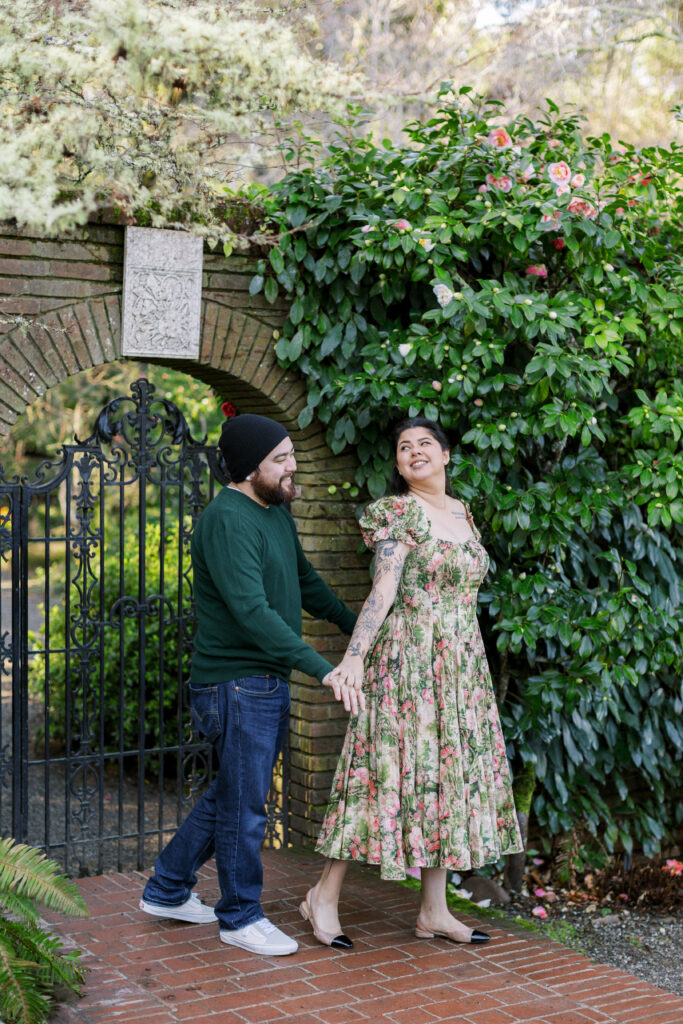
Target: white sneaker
<point>192,910</point>
<point>260,937</point>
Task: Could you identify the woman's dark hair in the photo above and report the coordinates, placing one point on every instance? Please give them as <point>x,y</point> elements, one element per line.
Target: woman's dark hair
<point>397,484</point>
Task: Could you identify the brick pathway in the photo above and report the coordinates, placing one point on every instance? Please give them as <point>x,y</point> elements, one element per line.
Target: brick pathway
<point>148,972</point>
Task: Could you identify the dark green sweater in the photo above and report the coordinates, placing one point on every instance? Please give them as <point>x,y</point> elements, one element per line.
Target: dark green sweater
<point>251,579</point>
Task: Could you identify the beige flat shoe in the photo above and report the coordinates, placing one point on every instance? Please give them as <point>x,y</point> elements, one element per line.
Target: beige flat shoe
<point>476,937</point>
<point>335,941</point>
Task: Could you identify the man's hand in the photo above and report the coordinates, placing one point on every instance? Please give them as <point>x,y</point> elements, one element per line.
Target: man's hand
<point>347,687</point>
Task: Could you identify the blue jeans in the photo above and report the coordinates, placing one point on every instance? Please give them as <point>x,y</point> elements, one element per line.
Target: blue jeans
<point>246,719</point>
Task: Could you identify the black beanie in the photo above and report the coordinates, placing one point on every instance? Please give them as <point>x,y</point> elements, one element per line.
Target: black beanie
<point>246,440</point>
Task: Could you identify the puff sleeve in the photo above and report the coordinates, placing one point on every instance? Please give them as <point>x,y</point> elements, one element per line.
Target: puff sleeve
<point>397,517</point>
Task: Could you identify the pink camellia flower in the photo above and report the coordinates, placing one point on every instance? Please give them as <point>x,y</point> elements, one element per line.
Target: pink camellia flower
<point>673,868</point>
<point>558,243</point>
<point>578,180</point>
<point>562,190</point>
<point>483,188</point>
<point>536,270</point>
<point>583,207</point>
<point>403,224</point>
<point>540,893</point>
<point>553,143</point>
<point>559,173</point>
<point>504,183</point>
<point>527,174</point>
<point>539,912</point>
<point>550,221</point>
<point>366,228</point>
<point>500,139</point>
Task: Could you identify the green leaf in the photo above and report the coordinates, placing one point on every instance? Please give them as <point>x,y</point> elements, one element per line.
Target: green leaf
<point>305,417</point>
<point>277,260</point>
<point>357,271</point>
<point>331,340</point>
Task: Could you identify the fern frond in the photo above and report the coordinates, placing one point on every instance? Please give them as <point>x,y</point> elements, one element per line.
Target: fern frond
<point>19,906</point>
<point>30,966</point>
<point>28,872</point>
<point>44,952</point>
<point>21,996</point>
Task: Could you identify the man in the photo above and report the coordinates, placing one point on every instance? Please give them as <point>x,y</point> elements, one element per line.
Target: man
<point>251,579</point>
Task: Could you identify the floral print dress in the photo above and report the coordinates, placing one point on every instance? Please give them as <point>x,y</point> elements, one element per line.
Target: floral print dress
<point>423,779</point>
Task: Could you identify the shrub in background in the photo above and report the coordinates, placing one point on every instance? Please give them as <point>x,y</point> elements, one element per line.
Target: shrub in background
<point>522,285</point>
<point>117,717</point>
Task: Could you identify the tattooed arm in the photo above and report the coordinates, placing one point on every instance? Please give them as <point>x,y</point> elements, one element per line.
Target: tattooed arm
<point>389,559</point>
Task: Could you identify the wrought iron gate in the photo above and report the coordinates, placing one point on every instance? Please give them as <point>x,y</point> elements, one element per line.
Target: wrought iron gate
<point>98,764</point>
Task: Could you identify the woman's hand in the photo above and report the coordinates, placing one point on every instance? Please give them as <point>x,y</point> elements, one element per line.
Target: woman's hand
<point>351,669</point>
<point>346,682</point>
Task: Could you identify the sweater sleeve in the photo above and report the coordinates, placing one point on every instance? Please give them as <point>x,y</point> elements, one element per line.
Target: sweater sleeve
<point>238,576</point>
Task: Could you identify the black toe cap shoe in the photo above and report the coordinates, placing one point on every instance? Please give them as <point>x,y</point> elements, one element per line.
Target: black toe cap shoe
<point>343,942</point>
<point>479,937</point>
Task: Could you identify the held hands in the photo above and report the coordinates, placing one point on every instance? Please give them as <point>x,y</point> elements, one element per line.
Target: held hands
<point>346,682</point>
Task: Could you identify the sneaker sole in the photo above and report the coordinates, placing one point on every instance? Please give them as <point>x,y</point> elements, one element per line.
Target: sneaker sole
<point>260,950</point>
<point>169,914</point>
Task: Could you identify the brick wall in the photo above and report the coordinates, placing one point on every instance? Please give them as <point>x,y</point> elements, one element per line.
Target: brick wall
<point>60,313</point>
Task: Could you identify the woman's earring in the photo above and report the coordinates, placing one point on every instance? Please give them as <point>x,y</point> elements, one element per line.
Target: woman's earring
<point>249,476</point>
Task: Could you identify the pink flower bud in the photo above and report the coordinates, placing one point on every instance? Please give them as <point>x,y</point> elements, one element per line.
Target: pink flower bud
<point>536,270</point>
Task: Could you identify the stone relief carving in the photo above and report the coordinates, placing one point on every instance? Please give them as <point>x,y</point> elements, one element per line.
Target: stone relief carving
<point>162,293</point>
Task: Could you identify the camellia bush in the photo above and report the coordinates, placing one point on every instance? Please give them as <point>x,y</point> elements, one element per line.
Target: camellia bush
<point>522,285</point>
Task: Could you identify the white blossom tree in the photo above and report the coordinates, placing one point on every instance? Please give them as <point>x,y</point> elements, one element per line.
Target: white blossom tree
<point>149,106</point>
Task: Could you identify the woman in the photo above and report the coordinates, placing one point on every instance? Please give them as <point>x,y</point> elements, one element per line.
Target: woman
<point>423,779</point>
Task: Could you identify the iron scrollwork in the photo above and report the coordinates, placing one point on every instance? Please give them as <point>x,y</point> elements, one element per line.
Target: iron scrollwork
<point>103,680</point>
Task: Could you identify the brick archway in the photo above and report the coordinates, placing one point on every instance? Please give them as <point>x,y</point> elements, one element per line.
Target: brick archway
<point>60,314</point>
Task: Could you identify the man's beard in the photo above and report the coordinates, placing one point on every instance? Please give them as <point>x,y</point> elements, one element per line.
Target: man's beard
<point>273,494</point>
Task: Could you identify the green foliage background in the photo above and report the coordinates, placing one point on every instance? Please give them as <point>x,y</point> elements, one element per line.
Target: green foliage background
<point>116,717</point>
<point>553,359</point>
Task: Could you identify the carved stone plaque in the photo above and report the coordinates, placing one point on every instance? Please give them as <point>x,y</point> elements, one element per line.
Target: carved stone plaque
<point>162,293</point>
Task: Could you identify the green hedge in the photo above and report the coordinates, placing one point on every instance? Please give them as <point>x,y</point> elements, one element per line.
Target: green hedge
<point>521,284</point>
<point>118,721</point>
